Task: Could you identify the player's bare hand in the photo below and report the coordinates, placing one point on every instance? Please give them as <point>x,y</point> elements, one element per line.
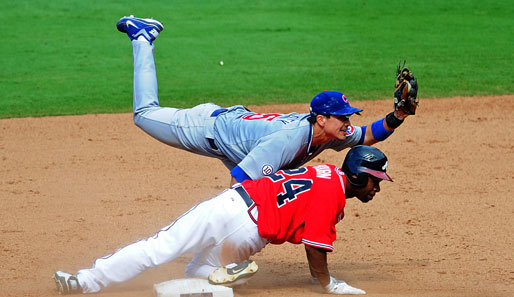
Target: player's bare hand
<point>340,287</point>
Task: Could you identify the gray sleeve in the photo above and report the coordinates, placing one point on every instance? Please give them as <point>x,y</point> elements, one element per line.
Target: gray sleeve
<point>271,154</point>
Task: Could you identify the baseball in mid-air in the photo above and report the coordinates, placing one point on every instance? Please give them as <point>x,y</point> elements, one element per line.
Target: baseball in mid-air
<point>221,63</point>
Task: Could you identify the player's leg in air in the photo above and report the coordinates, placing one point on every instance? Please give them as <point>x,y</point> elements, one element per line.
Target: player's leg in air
<point>186,129</point>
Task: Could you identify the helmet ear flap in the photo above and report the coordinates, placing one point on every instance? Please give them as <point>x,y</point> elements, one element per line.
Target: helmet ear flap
<point>358,180</point>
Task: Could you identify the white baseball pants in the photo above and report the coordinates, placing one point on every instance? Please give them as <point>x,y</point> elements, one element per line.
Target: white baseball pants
<point>218,231</point>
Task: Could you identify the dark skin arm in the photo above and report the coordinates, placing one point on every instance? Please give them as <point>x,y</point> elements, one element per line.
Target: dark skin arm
<point>318,264</point>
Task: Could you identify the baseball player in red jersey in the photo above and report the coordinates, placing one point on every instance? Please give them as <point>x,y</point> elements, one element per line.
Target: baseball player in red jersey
<point>299,206</point>
<point>294,205</point>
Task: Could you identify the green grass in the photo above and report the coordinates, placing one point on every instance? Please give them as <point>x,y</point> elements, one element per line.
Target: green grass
<point>66,56</point>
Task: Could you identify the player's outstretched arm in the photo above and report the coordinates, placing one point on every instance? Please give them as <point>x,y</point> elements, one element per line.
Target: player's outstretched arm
<point>383,128</point>
<point>318,264</point>
<point>319,271</point>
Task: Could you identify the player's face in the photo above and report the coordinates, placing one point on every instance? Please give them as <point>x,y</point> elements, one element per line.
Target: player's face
<point>366,194</point>
<point>336,126</point>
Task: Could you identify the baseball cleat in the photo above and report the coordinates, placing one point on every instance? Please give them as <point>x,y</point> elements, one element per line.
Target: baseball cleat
<point>234,276</point>
<point>66,283</point>
<point>135,27</point>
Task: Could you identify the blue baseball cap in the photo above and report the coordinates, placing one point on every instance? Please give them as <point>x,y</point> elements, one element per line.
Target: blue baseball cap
<point>332,102</point>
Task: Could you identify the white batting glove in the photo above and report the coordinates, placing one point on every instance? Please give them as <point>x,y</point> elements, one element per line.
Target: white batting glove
<point>341,287</point>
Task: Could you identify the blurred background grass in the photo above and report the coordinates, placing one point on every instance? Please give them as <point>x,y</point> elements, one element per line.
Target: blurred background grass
<point>66,56</point>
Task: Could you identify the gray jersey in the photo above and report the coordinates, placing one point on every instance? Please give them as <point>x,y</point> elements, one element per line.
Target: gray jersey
<point>260,144</point>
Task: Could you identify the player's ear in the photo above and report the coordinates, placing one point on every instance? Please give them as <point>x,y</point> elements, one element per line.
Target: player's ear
<point>321,119</point>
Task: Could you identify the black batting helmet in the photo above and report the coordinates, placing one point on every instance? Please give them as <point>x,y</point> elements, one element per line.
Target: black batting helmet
<point>362,161</point>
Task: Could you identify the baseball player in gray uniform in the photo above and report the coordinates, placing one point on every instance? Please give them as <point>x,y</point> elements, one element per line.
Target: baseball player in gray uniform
<point>251,145</point>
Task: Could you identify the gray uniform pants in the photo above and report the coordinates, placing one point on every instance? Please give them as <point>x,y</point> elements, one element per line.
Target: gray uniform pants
<point>189,129</point>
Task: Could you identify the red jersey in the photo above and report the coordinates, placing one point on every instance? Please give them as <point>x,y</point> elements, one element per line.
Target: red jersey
<point>300,205</point>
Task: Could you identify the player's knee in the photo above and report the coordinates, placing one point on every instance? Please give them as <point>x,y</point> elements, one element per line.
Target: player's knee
<point>194,270</point>
<point>140,111</point>
<point>138,119</point>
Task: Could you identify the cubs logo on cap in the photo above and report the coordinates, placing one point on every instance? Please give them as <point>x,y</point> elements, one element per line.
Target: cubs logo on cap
<point>332,102</point>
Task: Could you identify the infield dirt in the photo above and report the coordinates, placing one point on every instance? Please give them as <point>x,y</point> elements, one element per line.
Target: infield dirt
<point>76,188</point>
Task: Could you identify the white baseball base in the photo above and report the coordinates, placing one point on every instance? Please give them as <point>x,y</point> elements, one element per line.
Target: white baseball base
<point>191,287</point>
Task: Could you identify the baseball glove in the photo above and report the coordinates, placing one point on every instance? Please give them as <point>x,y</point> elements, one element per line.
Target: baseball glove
<point>405,90</point>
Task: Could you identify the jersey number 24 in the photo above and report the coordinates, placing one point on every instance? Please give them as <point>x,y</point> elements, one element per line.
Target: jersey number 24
<point>291,187</point>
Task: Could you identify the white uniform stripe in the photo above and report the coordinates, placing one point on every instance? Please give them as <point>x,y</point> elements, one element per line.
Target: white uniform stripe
<point>318,244</point>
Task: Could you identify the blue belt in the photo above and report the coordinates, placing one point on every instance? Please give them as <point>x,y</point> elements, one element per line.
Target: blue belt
<point>242,192</point>
<point>218,111</point>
